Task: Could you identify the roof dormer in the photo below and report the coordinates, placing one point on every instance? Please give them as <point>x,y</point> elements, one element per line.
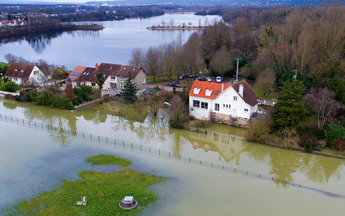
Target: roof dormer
<point>208,92</point>
<point>196,90</point>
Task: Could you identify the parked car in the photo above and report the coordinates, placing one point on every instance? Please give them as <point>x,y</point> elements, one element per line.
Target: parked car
<point>174,84</point>
<point>209,79</point>
<point>182,77</point>
<point>202,79</point>
<point>193,76</point>
<point>218,79</point>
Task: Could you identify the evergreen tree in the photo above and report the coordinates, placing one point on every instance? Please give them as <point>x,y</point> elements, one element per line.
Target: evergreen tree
<point>129,90</point>
<point>100,80</point>
<point>290,111</point>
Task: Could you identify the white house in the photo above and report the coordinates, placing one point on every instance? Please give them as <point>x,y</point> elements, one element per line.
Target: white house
<point>23,73</point>
<point>223,103</point>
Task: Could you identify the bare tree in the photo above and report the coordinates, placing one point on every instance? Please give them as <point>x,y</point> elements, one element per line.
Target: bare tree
<point>266,80</point>
<point>153,61</point>
<point>154,102</point>
<point>222,61</point>
<point>119,106</point>
<point>323,106</point>
<point>137,57</point>
<point>178,112</point>
<point>11,58</point>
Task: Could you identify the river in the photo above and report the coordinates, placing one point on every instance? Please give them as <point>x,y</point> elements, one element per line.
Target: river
<point>33,160</point>
<point>111,45</point>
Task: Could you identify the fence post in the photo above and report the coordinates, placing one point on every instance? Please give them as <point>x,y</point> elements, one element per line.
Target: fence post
<point>132,147</point>
<point>169,155</point>
<point>150,150</point>
<point>140,149</point>
<point>91,136</point>
<point>189,160</point>
<point>106,139</point>
<point>159,153</point>
<point>98,138</point>
<point>179,157</point>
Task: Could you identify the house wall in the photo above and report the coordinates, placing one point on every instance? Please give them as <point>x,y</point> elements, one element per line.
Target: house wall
<point>106,84</point>
<point>138,79</point>
<point>36,77</point>
<point>200,113</point>
<point>237,107</point>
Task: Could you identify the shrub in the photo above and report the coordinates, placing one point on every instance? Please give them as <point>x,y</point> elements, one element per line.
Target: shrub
<point>258,130</point>
<point>77,101</point>
<point>76,91</point>
<point>85,92</point>
<point>304,139</point>
<point>10,87</point>
<point>308,147</point>
<point>337,144</point>
<point>334,130</point>
<point>64,103</point>
<point>318,147</point>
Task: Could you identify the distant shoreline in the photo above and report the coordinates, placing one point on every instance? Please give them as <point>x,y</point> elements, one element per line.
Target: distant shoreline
<point>20,31</point>
<point>175,28</point>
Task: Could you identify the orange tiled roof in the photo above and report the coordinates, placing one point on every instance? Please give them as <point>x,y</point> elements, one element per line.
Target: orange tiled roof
<point>215,87</point>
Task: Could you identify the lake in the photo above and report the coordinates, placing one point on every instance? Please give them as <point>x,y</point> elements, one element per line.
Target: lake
<point>111,45</point>
<point>33,160</point>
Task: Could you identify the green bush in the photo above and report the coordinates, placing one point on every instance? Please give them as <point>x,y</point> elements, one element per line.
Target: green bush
<point>64,103</point>
<point>318,147</point>
<point>10,87</point>
<point>308,147</point>
<point>77,101</point>
<point>334,130</point>
<point>85,92</point>
<point>76,91</point>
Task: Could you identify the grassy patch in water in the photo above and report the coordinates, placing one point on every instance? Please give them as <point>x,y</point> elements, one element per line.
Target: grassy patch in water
<point>103,193</point>
<point>108,160</point>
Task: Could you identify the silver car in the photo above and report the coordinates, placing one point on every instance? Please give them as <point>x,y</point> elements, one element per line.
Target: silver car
<point>209,79</point>
<point>218,79</point>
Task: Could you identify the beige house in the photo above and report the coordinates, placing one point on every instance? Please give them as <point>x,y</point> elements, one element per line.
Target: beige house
<point>115,76</point>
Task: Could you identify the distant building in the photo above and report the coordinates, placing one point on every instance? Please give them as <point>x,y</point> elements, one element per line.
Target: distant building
<point>223,103</point>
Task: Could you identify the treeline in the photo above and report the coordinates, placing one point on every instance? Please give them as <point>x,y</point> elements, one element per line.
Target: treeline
<point>296,52</point>
<point>112,13</point>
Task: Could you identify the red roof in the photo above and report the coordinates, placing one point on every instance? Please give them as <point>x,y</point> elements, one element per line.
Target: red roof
<point>215,87</point>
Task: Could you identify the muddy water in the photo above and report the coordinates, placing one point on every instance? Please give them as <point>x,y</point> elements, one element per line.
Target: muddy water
<point>32,161</point>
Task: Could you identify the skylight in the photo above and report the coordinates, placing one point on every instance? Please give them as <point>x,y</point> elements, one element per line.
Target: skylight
<point>124,68</point>
<point>133,69</point>
<point>216,93</point>
<point>111,67</point>
<point>104,75</point>
<point>75,73</point>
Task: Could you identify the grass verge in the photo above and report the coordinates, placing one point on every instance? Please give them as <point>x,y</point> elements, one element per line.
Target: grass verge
<point>265,97</point>
<point>103,193</point>
<point>108,160</point>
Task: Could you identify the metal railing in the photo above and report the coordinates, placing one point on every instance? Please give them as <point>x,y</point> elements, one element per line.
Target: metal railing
<point>153,152</point>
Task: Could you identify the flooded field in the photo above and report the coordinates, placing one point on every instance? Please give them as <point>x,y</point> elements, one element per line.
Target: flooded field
<point>33,160</point>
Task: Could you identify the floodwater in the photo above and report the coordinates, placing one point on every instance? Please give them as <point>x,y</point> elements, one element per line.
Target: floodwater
<point>34,160</point>
<point>110,45</point>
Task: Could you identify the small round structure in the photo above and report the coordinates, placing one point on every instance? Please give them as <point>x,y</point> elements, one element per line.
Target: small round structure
<point>128,203</point>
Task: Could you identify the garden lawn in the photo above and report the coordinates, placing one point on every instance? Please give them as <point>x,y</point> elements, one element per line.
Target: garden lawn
<point>149,80</point>
<point>103,193</point>
<point>265,97</point>
<point>108,160</point>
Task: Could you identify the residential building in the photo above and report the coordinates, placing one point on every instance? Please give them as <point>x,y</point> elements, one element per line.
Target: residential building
<point>75,74</point>
<point>23,73</point>
<point>222,103</point>
<point>115,76</point>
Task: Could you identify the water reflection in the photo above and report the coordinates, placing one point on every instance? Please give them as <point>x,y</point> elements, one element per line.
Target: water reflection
<point>39,42</point>
<point>154,132</point>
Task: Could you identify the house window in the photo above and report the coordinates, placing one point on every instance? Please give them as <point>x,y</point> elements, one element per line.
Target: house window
<point>235,98</point>
<point>223,105</point>
<point>112,78</point>
<point>121,86</point>
<point>216,107</point>
<point>245,110</point>
<point>196,103</point>
<point>204,105</point>
<point>226,97</point>
<point>229,106</point>
<point>93,84</point>
<point>121,78</point>
<point>143,81</point>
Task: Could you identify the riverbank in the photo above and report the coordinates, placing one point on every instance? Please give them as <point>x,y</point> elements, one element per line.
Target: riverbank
<point>175,28</point>
<point>46,29</point>
<point>103,192</point>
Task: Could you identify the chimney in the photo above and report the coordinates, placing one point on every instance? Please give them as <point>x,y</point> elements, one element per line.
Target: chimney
<point>241,90</point>
<point>97,66</point>
<point>222,87</point>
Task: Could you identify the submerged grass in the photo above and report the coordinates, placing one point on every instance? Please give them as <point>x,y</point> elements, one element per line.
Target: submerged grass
<point>108,160</point>
<point>103,193</point>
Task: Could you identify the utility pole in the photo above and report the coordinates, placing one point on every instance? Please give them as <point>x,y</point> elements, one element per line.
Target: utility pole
<point>238,62</point>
